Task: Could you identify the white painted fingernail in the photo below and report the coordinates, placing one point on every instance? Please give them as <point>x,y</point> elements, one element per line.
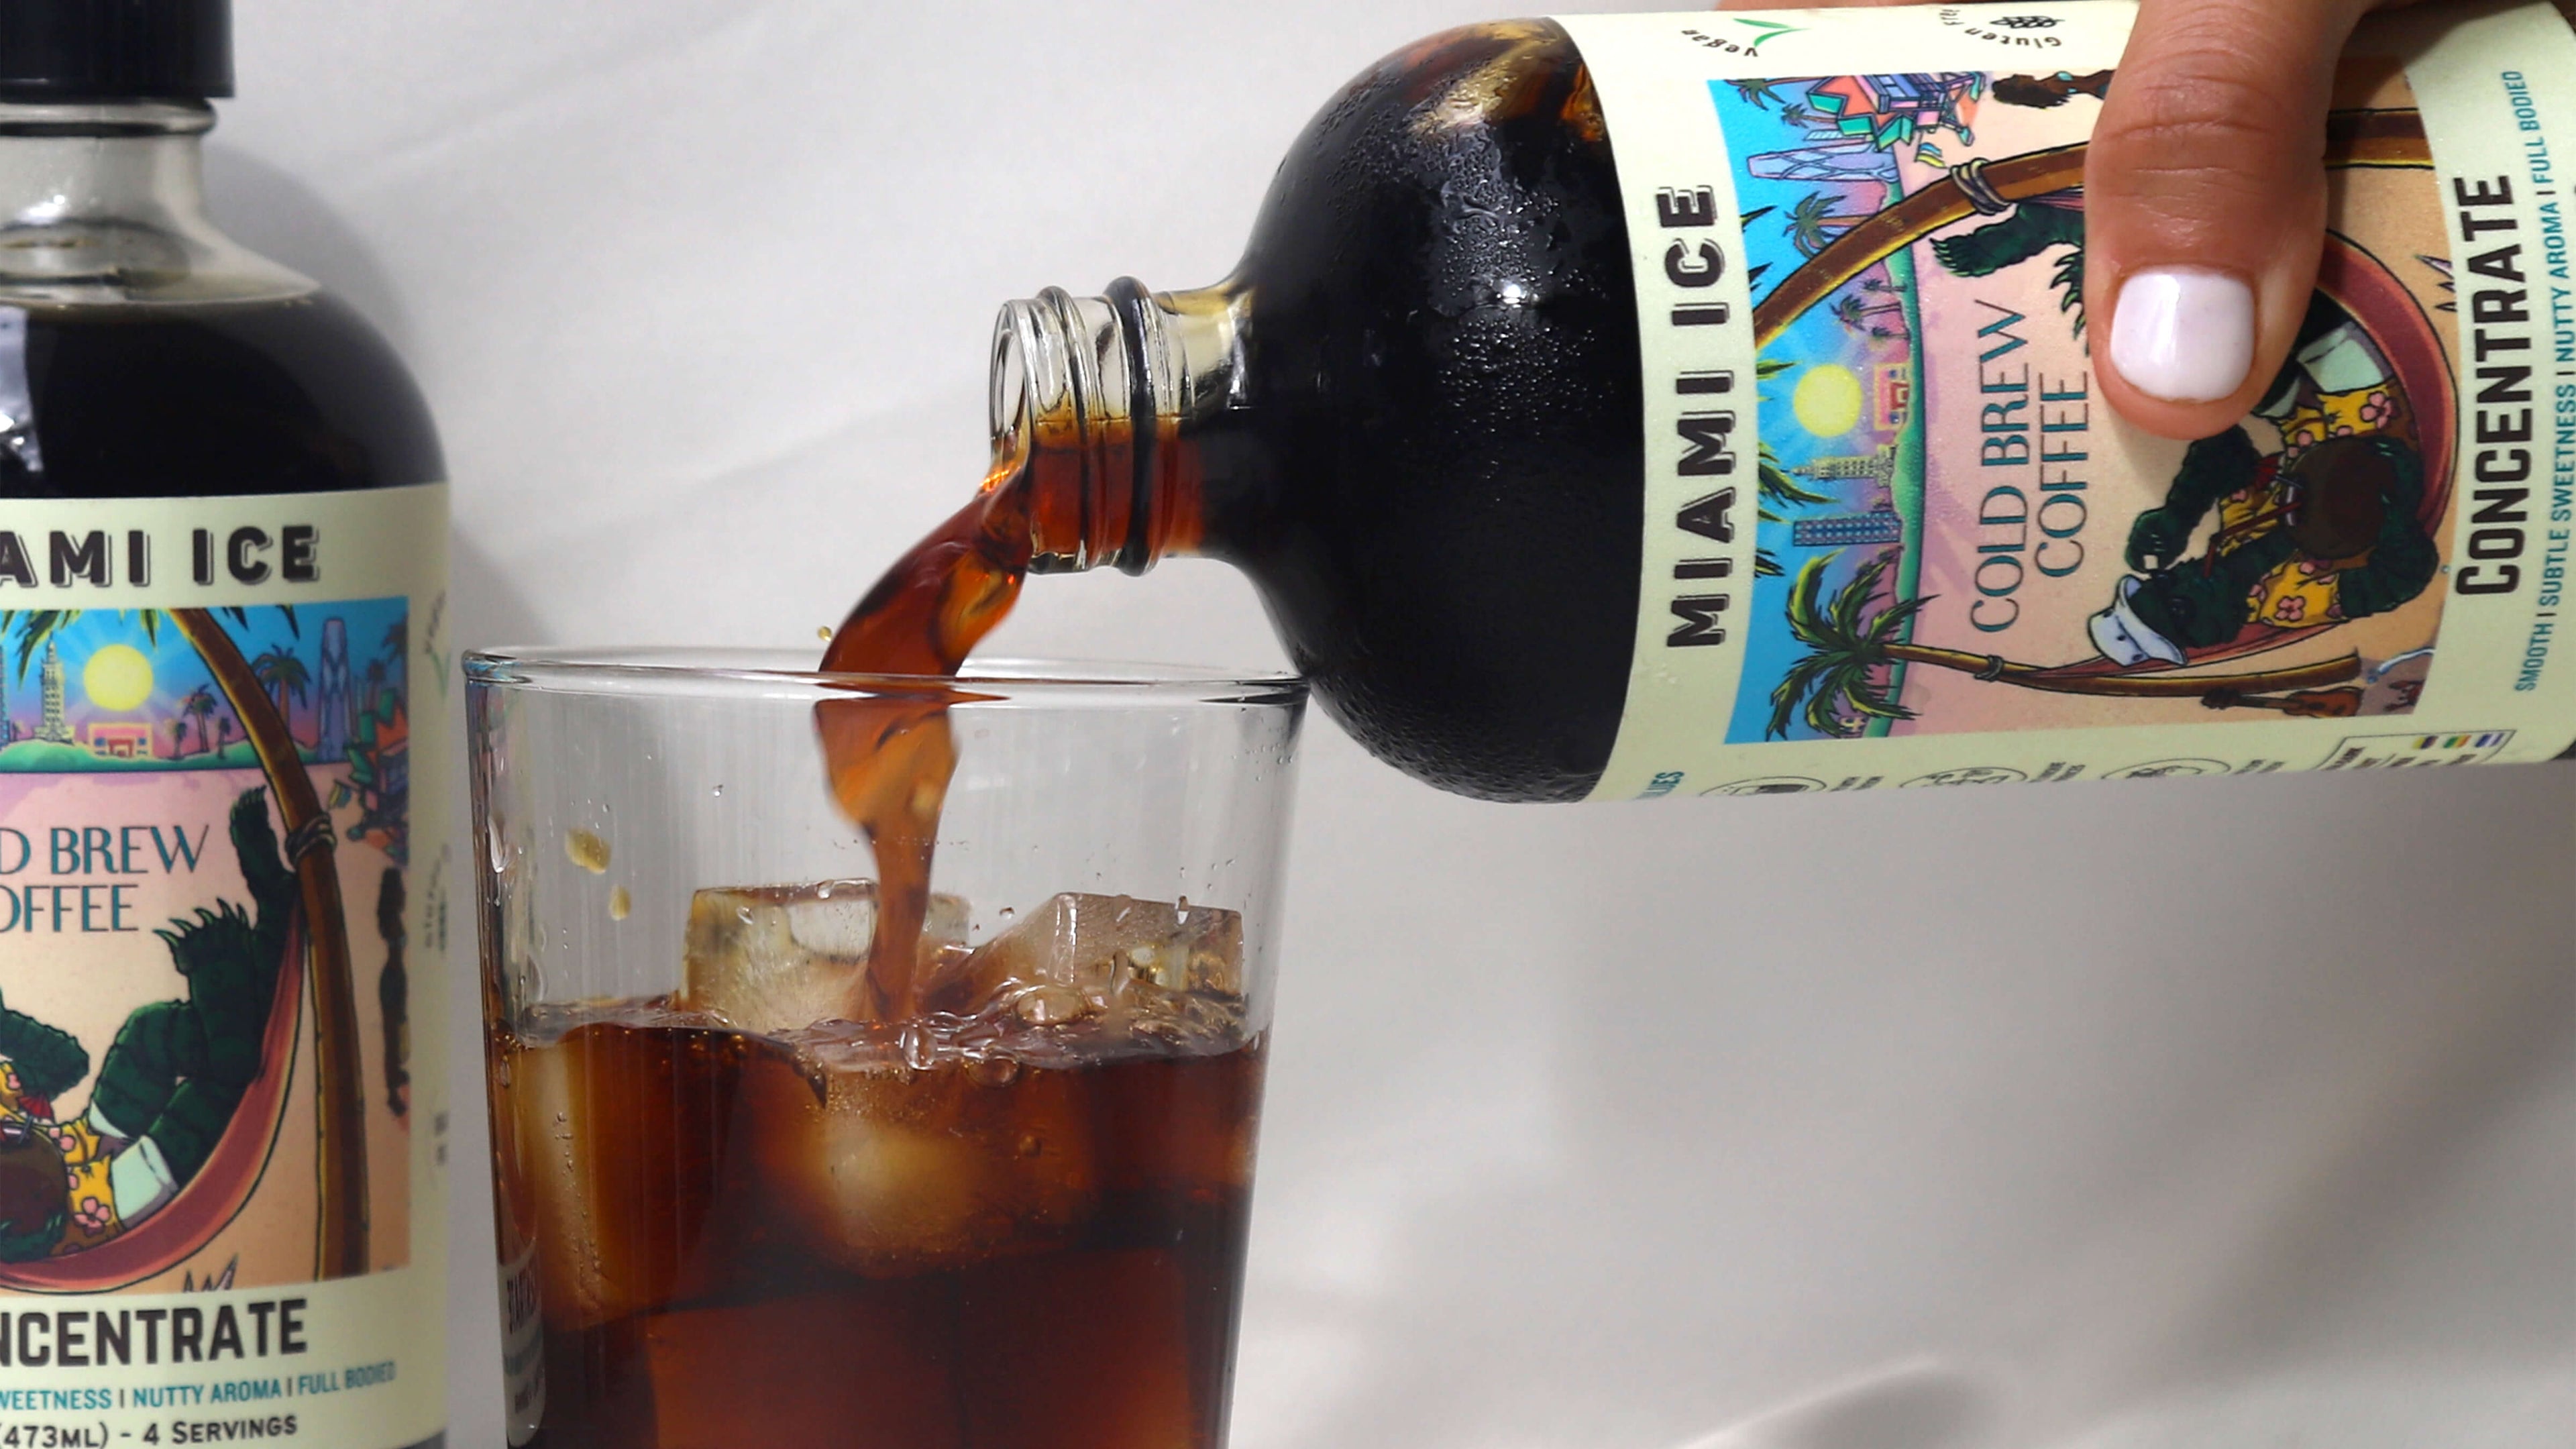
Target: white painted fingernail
<point>2183,334</point>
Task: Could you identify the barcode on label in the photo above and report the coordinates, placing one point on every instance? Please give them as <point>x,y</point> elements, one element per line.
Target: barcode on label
<point>2396,752</point>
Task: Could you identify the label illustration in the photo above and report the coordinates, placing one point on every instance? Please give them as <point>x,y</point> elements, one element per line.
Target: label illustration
<point>221,910</point>
<point>1958,550</point>
<point>1944,559</point>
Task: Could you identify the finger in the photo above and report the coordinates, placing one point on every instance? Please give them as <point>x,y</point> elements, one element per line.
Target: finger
<point>2205,203</point>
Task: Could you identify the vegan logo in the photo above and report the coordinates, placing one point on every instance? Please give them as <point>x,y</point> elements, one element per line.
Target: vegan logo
<point>1763,32</point>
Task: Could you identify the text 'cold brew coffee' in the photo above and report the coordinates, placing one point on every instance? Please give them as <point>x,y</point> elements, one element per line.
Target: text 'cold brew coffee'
<point>223,771</point>
<point>1626,406</point>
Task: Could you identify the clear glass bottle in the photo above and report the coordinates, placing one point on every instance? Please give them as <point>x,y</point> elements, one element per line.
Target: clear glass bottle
<point>222,573</point>
<point>1410,415</point>
<point>1477,420</point>
<point>153,355</point>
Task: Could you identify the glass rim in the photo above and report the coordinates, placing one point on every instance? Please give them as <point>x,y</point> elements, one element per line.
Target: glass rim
<point>656,670</point>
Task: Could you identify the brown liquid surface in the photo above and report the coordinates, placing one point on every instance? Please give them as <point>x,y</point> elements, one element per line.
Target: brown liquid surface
<point>162,401</point>
<point>803,1241</point>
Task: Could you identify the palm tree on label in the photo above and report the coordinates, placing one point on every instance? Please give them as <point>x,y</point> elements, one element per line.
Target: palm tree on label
<point>200,706</point>
<point>1777,487</point>
<point>1757,93</point>
<point>1744,223</point>
<point>1814,222</point>
<point>280,673</point>
<point>1837,687</point>
<point>341,1171</point>
<point>1857,313</point>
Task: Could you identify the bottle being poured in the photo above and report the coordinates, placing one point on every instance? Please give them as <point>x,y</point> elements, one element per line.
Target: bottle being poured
<point>1062,494</point>
<point>1557,491</point>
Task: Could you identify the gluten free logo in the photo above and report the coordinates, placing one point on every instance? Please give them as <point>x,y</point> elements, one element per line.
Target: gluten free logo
<point>2019,30</point>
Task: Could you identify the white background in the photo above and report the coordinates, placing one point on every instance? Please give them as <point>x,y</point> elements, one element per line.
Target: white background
<point>2182,1114</point>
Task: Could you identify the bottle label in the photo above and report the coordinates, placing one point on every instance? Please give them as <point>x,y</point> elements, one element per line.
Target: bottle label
<point>225,879</point>
<point>1894,535</point>
<point>523,1346</point>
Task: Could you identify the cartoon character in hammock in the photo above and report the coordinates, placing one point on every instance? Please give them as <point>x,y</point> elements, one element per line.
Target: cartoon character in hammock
<point>2324,528</point>
<point>168,1085</point>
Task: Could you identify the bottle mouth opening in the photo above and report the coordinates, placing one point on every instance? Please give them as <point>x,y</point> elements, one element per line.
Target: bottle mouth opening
<point>1065,426</point>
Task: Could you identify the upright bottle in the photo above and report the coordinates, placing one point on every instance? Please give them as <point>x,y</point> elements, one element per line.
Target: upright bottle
<point>1700,403</point>
<point>222,898</point>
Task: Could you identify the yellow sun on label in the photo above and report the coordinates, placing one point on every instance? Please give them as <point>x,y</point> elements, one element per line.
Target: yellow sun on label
<point>1827,400</point>
<point>117,677</point>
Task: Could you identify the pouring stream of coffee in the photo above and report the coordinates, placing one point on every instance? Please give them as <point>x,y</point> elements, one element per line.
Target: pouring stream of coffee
<point>888,751</point>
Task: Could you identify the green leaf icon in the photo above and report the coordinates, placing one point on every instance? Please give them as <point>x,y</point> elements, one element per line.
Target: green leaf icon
<point>1766,31</point>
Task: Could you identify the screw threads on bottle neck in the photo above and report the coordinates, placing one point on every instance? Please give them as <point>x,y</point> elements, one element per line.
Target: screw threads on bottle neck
<point>124,160</point>
<point>104,202</point>
<point>1064,400</point>
<point>1093,396</point>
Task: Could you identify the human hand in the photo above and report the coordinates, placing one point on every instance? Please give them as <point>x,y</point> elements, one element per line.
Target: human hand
<point>2205,200</point>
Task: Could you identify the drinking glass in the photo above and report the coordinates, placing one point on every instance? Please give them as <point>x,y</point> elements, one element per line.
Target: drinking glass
<point>746,1195</point>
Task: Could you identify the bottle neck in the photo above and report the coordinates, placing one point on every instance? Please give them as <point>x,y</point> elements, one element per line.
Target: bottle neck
<point>105,202</point>
<point>1094,404</point>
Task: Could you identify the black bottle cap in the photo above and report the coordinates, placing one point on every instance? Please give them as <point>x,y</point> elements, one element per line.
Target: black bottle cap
<point>110,50</point>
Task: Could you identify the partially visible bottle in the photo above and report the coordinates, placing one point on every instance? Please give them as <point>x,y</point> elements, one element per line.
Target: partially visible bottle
<point>1700,403</point>
<point>223,773</point>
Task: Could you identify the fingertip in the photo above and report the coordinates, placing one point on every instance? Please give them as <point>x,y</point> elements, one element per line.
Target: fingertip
<point>2183,334</point>
<point>2191,348</point>
<point>2205,205</point>
<point>2181,421</point>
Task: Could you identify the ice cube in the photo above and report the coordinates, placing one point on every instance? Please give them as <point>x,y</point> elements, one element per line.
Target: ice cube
<point>1127,962</point>
<point>776,958</point>
<point>612,1141</point>
<point>889,1169</point>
